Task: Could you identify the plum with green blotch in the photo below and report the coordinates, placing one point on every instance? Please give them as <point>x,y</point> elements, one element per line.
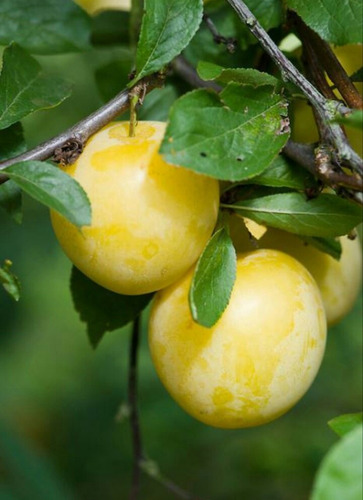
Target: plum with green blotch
<point>150,220</point>
<point>261,356</point>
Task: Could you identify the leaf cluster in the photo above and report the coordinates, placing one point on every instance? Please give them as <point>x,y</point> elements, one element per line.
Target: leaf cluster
<point>233,129</point>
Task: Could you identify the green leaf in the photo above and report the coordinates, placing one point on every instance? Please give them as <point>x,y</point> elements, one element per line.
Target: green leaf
<point>284,173</point>
<point>112,77</point>
<point>355,119</point>
<point>345,423</point>
<point>11,200</point>
<point>167,27</point>
<point>245,76</point>
<point>9,281</point>
<point>340,474</point>
<point>44,26</point>
<point>11,141</point>
<point>203,48</point>
<point>54,188</point>
<point>232,136</point>
<point>324,216</point>
<point>213,279</point>
<point>336,21</point>
<point>24,88</point>
<point>357,76</point>
<point>268,12</point>
<point>330,246</point>
<point>158,103</point>
<point>102,310</point>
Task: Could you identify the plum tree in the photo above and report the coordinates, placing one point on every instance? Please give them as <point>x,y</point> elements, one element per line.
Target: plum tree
<point>150,220</point>
<point>258,360</point>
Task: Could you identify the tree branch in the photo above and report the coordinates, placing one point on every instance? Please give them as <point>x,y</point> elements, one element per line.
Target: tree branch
<point>141,462</point>
<point>80,132</point>
<point>325,108</point>
<point>305,155</point>
<point>329,61</point>
<point>134,417</point>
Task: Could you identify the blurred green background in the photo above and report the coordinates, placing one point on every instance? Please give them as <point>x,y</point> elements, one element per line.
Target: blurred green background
<point>59,398</point>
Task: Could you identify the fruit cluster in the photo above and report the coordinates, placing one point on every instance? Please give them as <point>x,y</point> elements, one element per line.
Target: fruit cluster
<point>150,223</point>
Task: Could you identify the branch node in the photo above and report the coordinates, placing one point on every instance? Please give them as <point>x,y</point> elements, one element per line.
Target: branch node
<point>68,152</point>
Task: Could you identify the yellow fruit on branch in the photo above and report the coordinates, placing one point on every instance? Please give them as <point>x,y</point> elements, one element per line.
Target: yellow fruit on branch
<point>150,220</point>
<point>96,6</point>
<point>258,360</point>
<point>339,281</point>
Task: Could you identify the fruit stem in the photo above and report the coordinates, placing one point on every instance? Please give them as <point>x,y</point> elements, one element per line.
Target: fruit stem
<point>134,99</point>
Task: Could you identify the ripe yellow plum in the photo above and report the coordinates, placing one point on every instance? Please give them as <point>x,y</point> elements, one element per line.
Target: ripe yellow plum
<point>96,6</point>
<point>150,220</point>
<point>339,281</point>
<point>261,356</point>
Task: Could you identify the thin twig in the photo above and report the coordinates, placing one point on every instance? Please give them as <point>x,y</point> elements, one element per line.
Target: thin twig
<point>134,417</point>
<point>184,69</point>
<point>325,108</point>
<point>229,42</point>
<point>141,462</point>
<point>305,155</point>
<point>83,129</point>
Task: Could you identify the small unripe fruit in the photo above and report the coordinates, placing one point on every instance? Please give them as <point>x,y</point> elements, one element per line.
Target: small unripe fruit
<point>258,360</point>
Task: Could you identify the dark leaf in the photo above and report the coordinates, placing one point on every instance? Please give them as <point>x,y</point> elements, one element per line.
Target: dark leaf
<point>11,200</point>
<point>24,88</point>
<point>330,246</point>
<point>102,310</point>
<point>44,26</point>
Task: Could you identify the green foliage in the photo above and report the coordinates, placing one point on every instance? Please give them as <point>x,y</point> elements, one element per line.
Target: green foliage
<point>268,12</point>
<point>284,173</point>
<point>355,119</point>
<point>54,188</point>
<point>11,200</point>
<point>330,246</point>
<point>11,141</point>
<point>102,310</point>
<point>213,279</point>
<point>167,27</point>
<point>336,21</point>
<point>326,216</point>
<point>244,76</point>
<point>341,473</point>
<point>345,423</point>
<point>220,134</point>
<point>24,88</point>
<point>44,26</point>
<point>9,281</point>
